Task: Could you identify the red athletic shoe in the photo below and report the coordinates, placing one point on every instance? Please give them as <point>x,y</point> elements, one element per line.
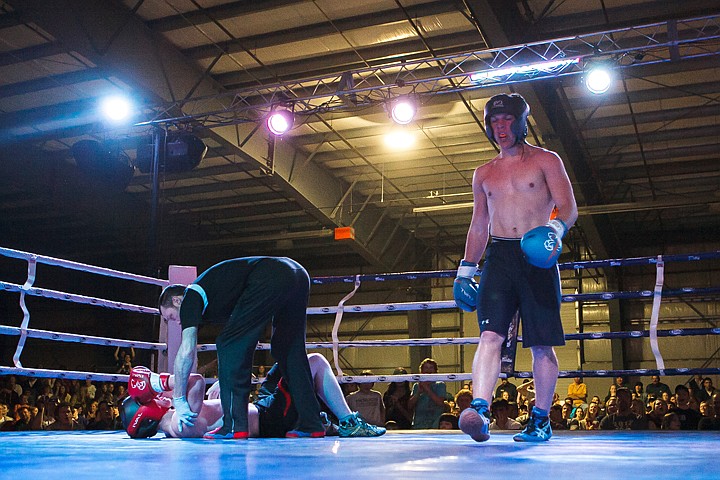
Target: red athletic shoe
<point>220,434</point>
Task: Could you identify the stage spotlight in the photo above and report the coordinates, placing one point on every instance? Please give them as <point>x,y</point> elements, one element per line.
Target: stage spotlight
<point>403,111</point>
<point>399,140</point>
<point>117,109</point>
<point>598,79</point>
<point>280,121</point>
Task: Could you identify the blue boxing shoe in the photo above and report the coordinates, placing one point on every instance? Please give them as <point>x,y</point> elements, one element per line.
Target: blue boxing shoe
<point>475,421</point>
<point>537,430</point>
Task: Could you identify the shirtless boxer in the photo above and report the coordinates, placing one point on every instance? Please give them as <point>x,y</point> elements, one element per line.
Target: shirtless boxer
<point>514,195</point>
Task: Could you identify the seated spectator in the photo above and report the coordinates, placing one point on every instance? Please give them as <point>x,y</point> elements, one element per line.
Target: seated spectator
<point>656,388</point>
<point>513,410</point>
<point>638,391</point>
<point>591,422</point>
<point>577,417</point>
<point>506,386</point>
<point>462,401</point>
<point>24,420</point>
<point>79,416</point>
<point>61,392</point>
<point>105,418</point>
<point>556,418</point>
<point>120,393</point>
<point>657,413</point>
<point>671,421</point>
<point>64,419</point>
<point>712,422</point>
<point>46,411</point>
<point>368,402</point>
<point>526,391</point>
<point>91,411</point>
<point>623,418</point>
<point>500,419</point>
<point>524,414</point>
<point>87,391</point>
<point>8,394</point>
<point>448,421</point>
<point>4,417</point>
<point>708,389</point>
<point>612,392</point>
<point>689,418</point>
<point>706,408</point>
<point>396,400</point>
<point>638,407</point>
<point>567,411</point>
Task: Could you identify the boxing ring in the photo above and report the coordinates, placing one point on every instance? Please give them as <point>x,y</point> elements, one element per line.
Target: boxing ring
<point>404,454</point>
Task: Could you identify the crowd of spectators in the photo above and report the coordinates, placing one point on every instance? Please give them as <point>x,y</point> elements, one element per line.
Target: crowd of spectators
<point>28,403</point>
<point>428,405</point>
<point>59,404</point>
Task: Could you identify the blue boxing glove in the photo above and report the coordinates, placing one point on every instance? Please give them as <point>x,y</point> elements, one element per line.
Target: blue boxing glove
<point>542,245</point>
<point>465,288</point>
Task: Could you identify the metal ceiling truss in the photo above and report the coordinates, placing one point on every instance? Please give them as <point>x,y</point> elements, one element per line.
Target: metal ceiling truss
<point>624,47</point>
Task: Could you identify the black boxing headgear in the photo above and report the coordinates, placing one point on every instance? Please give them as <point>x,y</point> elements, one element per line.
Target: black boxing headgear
<point>138,420</point>
<point>515,105</point>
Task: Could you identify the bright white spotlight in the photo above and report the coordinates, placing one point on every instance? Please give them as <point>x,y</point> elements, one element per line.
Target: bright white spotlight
<point>598,79</point>
<point>403,111</point>
<point>116,109</point>
<point>399,140</point>
<point>280,121</point>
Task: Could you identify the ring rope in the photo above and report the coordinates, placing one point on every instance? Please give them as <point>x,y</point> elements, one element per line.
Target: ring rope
<point>336,326</point>
<point>654,316</point>
<point>32,270</point>
<point>87,339</point>
<point>589,264</point>
<point>450,304</point>
<point>449,377</point>
<point>83,267</point>
<point>33,259</point>
<point>71,297</point>
<point>28,289</point>
<point>427,342</point>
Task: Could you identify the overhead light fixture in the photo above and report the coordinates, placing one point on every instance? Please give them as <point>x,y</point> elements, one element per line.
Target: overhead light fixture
<point>280,121</point>
<point>105,162</point>
<point>117,108</point>
<point>183,152</point>
<point>403,110</point>
<point>445,206</point>
<point>551,67</point>
<point>598,78</point>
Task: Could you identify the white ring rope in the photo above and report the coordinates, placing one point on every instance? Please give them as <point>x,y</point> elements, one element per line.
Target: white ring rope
<point>385,307</point>
<point>657,298</point>
<point>71,297</point>
<point>83,267</point>
<point>27,289</point>
<point>87,339</point>
<point>336,325</point>
<point>32,270</point>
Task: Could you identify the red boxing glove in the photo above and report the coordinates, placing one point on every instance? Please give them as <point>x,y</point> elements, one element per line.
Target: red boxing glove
<point>141,421</point>
<point>144,385</point>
